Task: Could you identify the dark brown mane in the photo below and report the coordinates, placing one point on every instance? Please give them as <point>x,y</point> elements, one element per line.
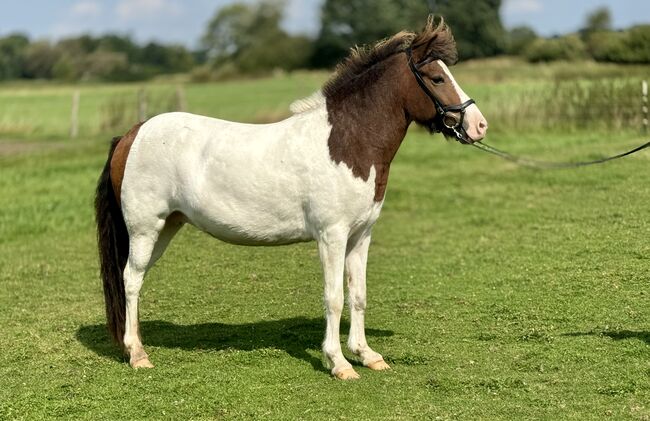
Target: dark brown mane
<point>435,40</point>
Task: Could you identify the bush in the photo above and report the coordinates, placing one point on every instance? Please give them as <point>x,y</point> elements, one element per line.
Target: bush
<point>567,48</point>
<point>40,58</point>
<point>519,39</point>
<point>621,47</point>
<point>638,43</point>
<point>606,46</point>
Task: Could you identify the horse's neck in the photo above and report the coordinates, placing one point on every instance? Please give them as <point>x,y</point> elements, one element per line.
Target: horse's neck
<point>368,127</point>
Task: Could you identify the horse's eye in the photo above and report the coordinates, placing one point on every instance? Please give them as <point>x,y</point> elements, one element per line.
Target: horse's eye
<point>438,80</point>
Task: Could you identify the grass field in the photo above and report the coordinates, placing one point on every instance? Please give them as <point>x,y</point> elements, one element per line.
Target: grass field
<point>495,292</point>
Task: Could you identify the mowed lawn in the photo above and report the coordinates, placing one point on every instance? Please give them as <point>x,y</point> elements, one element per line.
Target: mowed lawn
<point>494,291</point>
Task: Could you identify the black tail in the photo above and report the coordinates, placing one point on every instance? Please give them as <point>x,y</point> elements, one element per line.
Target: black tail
<point>113,243</point>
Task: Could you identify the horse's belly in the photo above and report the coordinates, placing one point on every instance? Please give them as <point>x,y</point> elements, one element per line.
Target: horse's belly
<point>250,224</point>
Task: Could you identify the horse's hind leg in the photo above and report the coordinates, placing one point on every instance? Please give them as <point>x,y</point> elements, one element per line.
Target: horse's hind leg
<point>355,263</point>
<point>173,223</point>
<point>145,248</point>
<point>141,246</point>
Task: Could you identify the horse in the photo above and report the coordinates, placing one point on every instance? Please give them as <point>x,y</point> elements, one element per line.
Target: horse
<point>320,175</point>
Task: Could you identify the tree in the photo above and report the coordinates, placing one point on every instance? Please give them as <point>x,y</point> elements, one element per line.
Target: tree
<point>345,23</point>
<point>249,39</point>
<point>476,25</point>
<point>629,46</point>
<point>599,20</point>
<point>597,29</point>
<point>12,51</point>
<point>40,58</point>
<point>166,58</point>
<point>519,39</point>
<point>566,48</point>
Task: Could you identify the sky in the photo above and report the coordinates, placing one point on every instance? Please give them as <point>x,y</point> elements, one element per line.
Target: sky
<point>183,21</point>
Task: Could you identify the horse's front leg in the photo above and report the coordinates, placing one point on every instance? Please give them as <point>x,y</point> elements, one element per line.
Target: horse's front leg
<point>355,262</point>
<point>331,247</point>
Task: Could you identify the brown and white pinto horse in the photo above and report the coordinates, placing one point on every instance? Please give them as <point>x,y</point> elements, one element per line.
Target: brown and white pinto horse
<point>318,175</point>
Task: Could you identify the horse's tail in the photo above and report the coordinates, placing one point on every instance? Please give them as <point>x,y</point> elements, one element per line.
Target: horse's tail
<point>113,243</point>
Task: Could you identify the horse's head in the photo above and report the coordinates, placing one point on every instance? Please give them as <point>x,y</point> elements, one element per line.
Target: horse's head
<point>433,97</point>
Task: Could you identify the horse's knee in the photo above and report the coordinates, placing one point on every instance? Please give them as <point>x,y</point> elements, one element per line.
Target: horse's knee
<point>334,304</point>
<point>357,302</point>
<point>133,278</point>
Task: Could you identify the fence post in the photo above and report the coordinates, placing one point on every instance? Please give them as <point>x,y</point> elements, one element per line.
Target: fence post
<point>74,116</point>
<point>644,91</point>
<point>181,99</point>
<point>142,105</point>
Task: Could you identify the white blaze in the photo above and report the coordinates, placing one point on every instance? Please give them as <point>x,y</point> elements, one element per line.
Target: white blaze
<point>474,123</point>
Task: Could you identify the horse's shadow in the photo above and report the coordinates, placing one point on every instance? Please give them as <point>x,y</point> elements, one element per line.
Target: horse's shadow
<point>294,335</point>
<point>617,335</point>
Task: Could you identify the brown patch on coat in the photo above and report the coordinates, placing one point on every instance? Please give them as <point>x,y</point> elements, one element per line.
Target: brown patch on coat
<point>118,161</point>
<point>373,97</point>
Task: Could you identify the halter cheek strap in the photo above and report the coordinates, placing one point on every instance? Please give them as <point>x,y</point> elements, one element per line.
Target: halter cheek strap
<point>441,110</point>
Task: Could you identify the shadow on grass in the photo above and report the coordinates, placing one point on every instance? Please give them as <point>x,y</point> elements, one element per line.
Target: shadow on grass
<point>617,335</point>
<point>294,335</point>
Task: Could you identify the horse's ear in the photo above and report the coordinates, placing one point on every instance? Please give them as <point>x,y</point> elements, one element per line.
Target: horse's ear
<point>435,40</point>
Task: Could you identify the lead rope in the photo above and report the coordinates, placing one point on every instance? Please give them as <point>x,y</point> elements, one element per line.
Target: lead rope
<point>534,163</point>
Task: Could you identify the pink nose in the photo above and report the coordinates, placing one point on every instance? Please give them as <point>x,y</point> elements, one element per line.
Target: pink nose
<point>482,127</point>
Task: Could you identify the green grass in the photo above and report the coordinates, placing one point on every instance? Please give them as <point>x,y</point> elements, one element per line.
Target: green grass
<point>495,292</point>
<point>42,111</point>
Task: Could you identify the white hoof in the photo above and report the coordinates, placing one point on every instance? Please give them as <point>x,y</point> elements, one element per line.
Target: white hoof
<point>378,365</point>
<point>347,374</point>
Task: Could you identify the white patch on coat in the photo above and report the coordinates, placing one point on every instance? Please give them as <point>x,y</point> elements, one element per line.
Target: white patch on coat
<point>242,183</point>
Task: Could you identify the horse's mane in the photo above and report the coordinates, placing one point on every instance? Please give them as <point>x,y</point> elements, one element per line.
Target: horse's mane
<point>313,101</point>
<point>436,38</point>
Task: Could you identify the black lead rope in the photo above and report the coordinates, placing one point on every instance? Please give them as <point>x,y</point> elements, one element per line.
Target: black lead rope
<point>534,163</point>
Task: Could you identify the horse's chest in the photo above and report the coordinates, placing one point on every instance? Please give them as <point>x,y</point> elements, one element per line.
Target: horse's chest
<point>346,199</point>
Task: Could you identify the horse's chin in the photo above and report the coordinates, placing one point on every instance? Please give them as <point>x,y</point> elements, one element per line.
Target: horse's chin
<point>450,134</point>
<point>432,127</point>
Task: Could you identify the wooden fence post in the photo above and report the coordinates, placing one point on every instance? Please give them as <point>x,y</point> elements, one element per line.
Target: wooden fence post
<point>644,92</point>
<point>142,105</point>
<point>74,116</point>
<point>181,99</point>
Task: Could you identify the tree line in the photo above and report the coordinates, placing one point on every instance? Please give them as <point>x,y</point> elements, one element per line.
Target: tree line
<point>248,39</point>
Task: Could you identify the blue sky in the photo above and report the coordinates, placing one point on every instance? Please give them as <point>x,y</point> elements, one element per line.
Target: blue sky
<point>182,21</point>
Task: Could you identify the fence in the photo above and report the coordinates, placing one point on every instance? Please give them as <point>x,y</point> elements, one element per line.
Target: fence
<point>119,112</point>
<point>606,105</point>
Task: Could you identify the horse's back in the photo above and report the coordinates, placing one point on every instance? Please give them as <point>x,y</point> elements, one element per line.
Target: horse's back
<point>242,183</point>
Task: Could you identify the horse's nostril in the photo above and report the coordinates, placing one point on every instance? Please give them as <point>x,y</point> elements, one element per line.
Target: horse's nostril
<point>483,124</point>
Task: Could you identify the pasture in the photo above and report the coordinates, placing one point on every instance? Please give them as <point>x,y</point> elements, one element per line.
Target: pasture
<point>494,291</point>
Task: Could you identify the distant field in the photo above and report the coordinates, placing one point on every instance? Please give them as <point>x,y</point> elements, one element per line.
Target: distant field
<point>32,111</point>
<point>495,292</point>
<point>512,93</point>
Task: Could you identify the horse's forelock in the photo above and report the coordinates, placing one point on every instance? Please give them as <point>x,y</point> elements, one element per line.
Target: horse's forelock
<point>436,41</point>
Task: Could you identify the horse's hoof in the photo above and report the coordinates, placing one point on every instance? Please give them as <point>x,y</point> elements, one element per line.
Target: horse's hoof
<point>347,374</point>
<point>378,366</point>
<point>143,363</point>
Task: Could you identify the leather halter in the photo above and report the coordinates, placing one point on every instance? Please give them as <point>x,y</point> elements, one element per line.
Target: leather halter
<point>445,118</point>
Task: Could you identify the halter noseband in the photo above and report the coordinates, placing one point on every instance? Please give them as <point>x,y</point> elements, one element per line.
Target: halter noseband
<point>444,113</point>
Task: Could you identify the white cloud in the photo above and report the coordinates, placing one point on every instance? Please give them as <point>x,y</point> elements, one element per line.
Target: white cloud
<point>523,6</point>
<point>86,9</point>
<point>130,10</point>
